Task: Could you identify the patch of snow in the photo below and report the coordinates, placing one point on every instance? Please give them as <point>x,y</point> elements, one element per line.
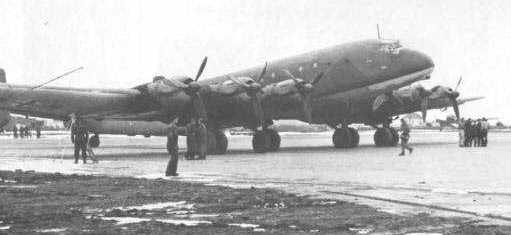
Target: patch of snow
<point>18,186</point>
<point>245,225</point>
<point>10,181</point>
<point>51,230</point>
<point>361,230</point>
<point>159,205</point>
<point>5,227</point>
<point>259,230</point>
<point>423,234</point>
<point>131,220</point>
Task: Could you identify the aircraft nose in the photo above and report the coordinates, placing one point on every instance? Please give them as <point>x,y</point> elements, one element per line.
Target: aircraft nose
<point>416,60</point>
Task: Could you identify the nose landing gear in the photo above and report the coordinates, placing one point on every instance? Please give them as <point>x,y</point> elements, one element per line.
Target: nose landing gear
<point>345,137</point>
<point>386,137</point>
<point>266,140</point>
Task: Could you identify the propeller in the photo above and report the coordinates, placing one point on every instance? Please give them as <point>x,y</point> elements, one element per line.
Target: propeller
<point>253,91</point>
<point>305,89</point>
<point>189,86</point>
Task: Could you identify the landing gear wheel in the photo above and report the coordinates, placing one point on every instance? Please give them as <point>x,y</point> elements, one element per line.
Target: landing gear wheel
<point>221,143</point>
<point>274,140</point>
<point>261,141</point>
<point>386,137</point>
<point>94,141</point>
<point>217,142</point>
<point>342,138</point>
<point>355,137</point>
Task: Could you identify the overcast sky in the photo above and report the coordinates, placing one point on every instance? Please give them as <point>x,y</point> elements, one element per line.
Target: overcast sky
<point>125,43</point>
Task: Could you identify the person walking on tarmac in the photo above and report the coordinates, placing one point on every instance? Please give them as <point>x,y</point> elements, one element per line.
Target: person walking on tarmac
<point>79,138</point>
<point>172,148</point>
<point>405,136</point>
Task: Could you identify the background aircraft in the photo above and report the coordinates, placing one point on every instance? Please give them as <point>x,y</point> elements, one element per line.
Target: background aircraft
<point>350,83</point>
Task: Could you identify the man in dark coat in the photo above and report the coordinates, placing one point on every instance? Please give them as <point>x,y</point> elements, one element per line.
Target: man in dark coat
<point>79,137</point>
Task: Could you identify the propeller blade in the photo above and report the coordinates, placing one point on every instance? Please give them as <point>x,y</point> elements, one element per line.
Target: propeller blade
<point>261,75</point>
<point>290,75</point>
<point>201,68</point>
<point>424,108</point>
<point>455,107</point>
<point>457,85</point>
<point>237,81</point>
<point>317,78</point>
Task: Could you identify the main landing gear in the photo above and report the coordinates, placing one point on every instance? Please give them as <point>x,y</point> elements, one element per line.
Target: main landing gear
<point>94,141</point>
<point>217,142</point>
<point>386,137</point>
<point>266,140</point>
<point>345,137</point>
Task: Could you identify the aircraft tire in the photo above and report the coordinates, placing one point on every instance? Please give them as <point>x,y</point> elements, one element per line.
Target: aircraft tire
<point>94,141</point>
<point>385,137</point>
<point>355,137</point>
<point>342,138</point>
<point>261,141</point>
<point>221,143</point>
<point>274,140</point>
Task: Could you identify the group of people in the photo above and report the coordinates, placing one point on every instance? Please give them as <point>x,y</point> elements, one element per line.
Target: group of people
<point>80,139</point>
<point>196,143</point>
<point>473,133</point>
<point>23,131</point>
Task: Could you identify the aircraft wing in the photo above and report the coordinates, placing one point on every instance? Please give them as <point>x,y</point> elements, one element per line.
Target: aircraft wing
<point>59,103</point>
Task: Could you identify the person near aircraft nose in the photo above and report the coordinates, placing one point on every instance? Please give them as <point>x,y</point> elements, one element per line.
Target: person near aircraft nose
<point>468,132</point>
<point>172,147</point>
<point>461,133</point>
<point>15,132</point>
<point>405,137</point>
<point>485,126</point>
<point>476,128</point>
<point>79,137</point>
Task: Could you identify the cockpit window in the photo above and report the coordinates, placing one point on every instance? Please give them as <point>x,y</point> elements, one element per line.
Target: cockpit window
<point>390,46</point>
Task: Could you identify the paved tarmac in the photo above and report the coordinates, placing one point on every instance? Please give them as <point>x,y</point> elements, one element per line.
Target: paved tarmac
<point>438,178</point>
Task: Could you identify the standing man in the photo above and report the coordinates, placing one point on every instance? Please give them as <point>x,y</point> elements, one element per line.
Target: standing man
<point>79,137</point>
<point>461,133</point>
<point>38,131</point>
<point>15,131</point>
<point>405,136</point>
<point>485,126</point>
<point>172,148</point>
<point>468,132</point>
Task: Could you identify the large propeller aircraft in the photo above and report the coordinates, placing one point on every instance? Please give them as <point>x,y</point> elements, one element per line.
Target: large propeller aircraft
<point>358,82</point>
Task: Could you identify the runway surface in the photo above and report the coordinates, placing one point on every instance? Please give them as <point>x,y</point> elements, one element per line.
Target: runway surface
<point>439,178</point>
